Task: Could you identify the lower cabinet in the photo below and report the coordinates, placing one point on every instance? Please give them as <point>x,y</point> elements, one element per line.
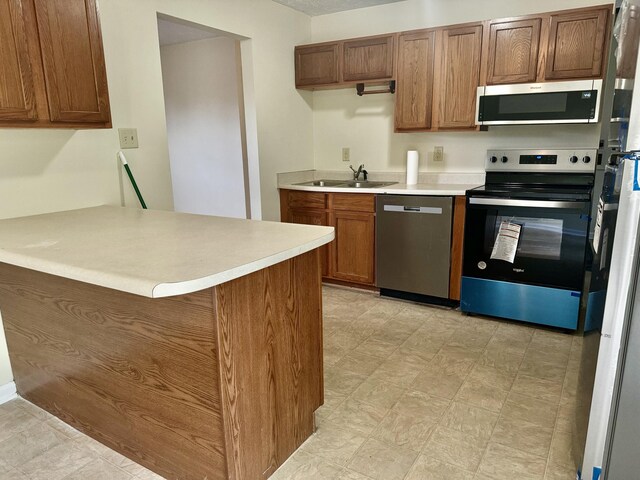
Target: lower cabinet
<point>308,216</point>
<point>351,256</point>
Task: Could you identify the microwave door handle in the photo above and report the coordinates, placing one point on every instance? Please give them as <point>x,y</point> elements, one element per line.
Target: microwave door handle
<point>509,202</point>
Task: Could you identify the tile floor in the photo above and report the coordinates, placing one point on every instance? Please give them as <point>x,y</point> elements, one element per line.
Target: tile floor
<point>411,392</point>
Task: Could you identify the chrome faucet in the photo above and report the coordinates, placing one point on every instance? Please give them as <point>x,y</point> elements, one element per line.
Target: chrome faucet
<point>356,173</point>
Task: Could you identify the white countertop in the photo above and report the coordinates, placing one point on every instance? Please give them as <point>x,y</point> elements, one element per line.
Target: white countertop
<point>453,189</point>
<point>150,252</point>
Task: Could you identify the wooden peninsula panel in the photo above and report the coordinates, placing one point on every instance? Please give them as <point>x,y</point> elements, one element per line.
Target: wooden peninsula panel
<point>220,383</point>
<point>270,343</point>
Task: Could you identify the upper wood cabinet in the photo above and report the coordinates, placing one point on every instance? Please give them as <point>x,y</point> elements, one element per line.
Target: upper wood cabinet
<point>367,59</point>
<point>73,61</point>
<point>437,70</point>
<point>17,100</point>
<point>576,45</point>
<point>414,80</point>
<point>52,70</point>
<point>457,77</point>
<point>513,51</point>
<point>345,63</point>
<point>317,64</point>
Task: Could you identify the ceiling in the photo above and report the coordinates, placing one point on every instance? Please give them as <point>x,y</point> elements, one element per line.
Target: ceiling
<point>322,7</point>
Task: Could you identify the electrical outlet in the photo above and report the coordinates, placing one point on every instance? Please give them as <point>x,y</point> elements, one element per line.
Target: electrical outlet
<point>438,154</point>
<point>346,154</point>
<point>128,137</point>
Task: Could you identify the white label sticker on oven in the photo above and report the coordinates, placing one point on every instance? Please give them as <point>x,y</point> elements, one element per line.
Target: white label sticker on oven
<point>506,242</point>
<point>596,231</point>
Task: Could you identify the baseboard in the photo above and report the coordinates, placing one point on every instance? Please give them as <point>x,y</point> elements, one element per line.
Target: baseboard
<point>7,392</point>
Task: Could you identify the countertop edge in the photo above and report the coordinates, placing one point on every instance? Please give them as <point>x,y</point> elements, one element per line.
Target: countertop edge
<point>162,290</point>
<point>106,280</point>
<point>390,190</point>
<point>146,288</point>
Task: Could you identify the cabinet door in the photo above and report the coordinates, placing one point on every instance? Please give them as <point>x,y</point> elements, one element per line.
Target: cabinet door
<point>73,61</point>
<point>513,51</point>
<point>576,45</point>
<point>316,65</point>
<point>414,81</point>
<point>368,59</point>
<point>312,217</point>
<point>17,94</point>
<point>459,76</point>
<point>354,247</point>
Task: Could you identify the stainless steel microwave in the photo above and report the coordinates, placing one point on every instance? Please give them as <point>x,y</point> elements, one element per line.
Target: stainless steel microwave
<point>539,103</point>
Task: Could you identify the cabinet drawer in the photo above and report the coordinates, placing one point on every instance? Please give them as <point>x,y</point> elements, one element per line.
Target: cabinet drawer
<point>354,202</point>
<point>307,199</point>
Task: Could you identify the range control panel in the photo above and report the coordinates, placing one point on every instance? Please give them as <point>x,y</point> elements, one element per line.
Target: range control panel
<point>562,160</point>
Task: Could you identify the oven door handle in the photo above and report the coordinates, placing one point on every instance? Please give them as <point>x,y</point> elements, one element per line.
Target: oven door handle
<point>510,202</point>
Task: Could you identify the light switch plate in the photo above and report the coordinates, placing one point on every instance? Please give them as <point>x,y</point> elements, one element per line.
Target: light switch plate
<point>128,137</point>
<point>346,154</point>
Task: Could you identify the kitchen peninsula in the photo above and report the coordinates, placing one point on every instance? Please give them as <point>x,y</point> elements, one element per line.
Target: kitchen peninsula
<point>190,344</point>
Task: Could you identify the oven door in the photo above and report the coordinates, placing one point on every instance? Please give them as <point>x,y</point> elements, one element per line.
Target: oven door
<point>551,241</point>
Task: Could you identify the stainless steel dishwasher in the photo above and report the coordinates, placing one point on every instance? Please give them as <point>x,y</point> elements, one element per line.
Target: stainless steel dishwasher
<point>413,245</point>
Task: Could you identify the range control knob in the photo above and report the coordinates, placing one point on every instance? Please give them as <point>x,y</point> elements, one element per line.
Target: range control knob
<point>493,159</point>
<point>586,159</point>
<point>573,159</point>
<point>504,159</point>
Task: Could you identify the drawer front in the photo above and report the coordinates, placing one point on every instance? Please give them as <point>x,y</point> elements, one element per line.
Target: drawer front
<point>354,202</point>
<point>307,199</point>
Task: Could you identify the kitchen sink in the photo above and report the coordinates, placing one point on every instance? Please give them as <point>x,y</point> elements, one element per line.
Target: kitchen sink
<point>345,184</point>
<point>366,184</point>
<point>323,183</point>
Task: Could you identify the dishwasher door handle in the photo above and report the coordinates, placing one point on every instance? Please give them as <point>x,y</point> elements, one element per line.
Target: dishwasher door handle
<point>411,209</point>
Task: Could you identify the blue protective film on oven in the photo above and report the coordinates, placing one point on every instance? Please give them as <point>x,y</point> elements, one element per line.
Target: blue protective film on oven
<point>555,307</point>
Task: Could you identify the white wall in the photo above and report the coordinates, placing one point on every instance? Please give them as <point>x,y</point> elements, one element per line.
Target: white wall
<point>201,83</point>
<point>46,170</point>
<point>365,124</point>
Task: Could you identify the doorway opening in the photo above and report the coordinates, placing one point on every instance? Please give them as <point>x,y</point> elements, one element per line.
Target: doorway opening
<point>206,85</point>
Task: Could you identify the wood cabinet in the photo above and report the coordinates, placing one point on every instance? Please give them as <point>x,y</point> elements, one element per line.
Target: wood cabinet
<point>350,257</point>
<point>345,63</point>
<point>457,77</point>
<point>307,216</point>
<point>52,66</point>
<point>414,80</point>
<point>17,100</point>
<point>368,59</point>
<point>353,256</point>
<point>307,208</point>
<point>353,251</point>
<point>576,44</point>
<point>317,65</point>
<point>513,51</point>
<point>566,45</point>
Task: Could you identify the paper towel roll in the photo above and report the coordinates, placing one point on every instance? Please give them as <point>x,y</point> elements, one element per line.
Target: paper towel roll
<point>412,167</point>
